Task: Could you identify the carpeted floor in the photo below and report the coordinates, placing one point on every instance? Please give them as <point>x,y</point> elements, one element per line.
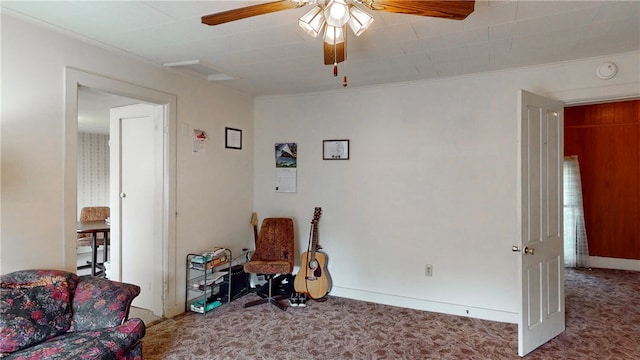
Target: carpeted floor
<point>602,322</point>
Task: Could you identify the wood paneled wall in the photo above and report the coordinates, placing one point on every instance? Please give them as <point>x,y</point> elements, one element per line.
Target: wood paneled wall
<point>606,138</point>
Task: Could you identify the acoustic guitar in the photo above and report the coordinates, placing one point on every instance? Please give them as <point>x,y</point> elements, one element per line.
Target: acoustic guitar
<point>313,278</point>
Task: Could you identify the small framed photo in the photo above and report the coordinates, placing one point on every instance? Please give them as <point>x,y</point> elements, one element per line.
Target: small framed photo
<point>233,138</point>
<point>335,149</point>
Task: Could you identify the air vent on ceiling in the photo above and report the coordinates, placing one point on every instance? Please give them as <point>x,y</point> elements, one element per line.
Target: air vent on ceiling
<point>200,68</point>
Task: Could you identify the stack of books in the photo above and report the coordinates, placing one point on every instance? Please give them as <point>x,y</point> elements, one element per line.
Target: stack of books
<point>210,259</point>
<point>214,252</point>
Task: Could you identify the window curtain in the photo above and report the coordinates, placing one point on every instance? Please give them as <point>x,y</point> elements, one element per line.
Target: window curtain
<point>576,247</point>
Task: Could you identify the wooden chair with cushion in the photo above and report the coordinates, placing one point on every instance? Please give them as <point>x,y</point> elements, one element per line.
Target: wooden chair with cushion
<point>88,214</point>
<point>274,255</point>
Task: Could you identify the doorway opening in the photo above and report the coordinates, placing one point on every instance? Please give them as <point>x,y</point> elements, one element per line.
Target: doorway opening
<point>77,82</point>
<point>604,136</point>
<point>93,167</point>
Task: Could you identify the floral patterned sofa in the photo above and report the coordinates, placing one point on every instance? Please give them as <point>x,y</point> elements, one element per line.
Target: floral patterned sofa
<point>53,314</point>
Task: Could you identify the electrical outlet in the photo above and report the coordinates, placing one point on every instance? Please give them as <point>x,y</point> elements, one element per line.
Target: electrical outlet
<point>428,270</point>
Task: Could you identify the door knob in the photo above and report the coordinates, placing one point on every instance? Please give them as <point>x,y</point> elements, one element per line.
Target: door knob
<point>527,250</point>
<point>123,195</point>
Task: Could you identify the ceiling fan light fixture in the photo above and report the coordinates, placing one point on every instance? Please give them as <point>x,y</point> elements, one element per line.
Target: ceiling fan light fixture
<point>312,22</point>
<point>337,13</point>
<point>333,35</point>
<point>330,17</point>
<point>359,20</point>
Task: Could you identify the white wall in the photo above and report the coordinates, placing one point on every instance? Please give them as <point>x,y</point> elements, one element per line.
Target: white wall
<point>432,179</point>
<point>214,189</point>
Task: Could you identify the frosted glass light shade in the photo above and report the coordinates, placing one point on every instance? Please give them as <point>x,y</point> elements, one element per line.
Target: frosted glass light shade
<point>312,22</point>
<point>337,13</point>
<point>333,35</point>
<point>359,20</point>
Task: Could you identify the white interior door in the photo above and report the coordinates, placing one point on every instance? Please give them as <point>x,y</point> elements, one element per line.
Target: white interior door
<point>136,187</point>
<point>541,247</point>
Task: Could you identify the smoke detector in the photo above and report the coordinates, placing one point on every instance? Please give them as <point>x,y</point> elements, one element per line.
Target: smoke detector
<point>606,71</point>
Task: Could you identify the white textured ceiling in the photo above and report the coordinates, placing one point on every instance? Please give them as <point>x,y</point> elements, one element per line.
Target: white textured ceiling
<point>270,54</point>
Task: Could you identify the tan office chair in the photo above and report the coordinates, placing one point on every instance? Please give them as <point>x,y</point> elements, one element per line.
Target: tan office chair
<point>93,213</point>
<point>274,255</point>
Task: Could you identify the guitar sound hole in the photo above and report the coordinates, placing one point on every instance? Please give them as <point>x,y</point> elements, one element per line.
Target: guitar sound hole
<point>313,264</point>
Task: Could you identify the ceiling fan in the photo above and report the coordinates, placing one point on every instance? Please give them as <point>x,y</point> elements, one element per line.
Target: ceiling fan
<point>330,18</point>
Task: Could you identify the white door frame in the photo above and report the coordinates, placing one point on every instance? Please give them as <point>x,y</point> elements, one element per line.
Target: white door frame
<point>75,78</point>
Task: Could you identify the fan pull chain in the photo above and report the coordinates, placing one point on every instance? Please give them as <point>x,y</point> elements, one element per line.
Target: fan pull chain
<point>335,58</point>
<point>335,55</point>
<point>344,79</point>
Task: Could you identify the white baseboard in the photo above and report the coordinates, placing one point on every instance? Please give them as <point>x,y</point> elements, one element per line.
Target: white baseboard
<point>614,263</point>
<point>425,305</point>
<point>461,310</point>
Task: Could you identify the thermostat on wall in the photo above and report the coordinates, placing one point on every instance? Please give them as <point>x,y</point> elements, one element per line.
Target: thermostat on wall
<point>606,70</point>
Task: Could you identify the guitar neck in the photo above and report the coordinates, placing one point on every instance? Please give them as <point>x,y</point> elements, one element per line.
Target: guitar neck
<point>314,241</point>
<point>254,222</point>
<point>314,231</point>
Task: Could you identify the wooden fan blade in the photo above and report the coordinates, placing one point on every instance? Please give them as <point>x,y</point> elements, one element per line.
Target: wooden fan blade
<point>332,53</point>
<point>448,9</point>
<point>249,11</point>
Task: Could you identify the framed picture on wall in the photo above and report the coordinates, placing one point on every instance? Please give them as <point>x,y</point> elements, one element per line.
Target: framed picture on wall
<point>233,138</point>
<point>335,149</point>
